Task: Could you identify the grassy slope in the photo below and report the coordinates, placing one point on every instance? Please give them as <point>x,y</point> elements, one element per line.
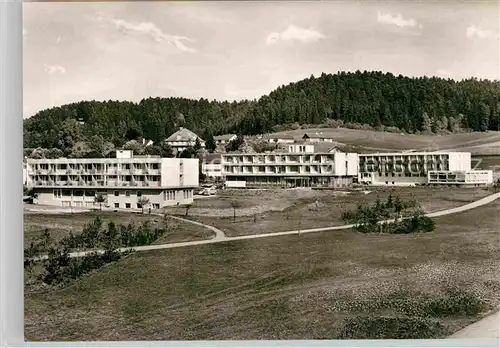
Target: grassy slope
<point>295,287</point>
<point>372,140</point>
<point>303,214</point>
<point>61,224</point>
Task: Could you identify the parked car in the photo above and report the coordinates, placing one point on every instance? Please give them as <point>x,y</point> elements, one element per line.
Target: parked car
<point>210,191</point>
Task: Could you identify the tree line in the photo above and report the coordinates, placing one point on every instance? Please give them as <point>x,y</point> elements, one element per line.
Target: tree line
<point>375,99</point>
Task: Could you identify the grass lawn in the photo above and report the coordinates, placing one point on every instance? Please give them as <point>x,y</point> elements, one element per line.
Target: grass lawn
<point>60,225</point>
<point>304,213</point>
<point>289,287</point>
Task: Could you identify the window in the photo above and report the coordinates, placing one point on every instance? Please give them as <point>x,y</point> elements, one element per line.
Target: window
<point>156,206</point>
<point>117,193</point>
<point>127,193</point>
<point>393,182</point>
<point>57,193</point>
<point>127,205</point>
<point>139,206</point>
<point>139,193</point>
<point>117,205</point>
<point>164,195</point>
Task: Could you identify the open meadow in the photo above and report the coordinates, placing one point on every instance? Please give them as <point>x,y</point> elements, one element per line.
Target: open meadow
<point>339,284</point>
<point>266,211</point>
<point>370,141</point>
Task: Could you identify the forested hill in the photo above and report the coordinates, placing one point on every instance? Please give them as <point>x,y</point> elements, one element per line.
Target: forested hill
<point>372,98</point>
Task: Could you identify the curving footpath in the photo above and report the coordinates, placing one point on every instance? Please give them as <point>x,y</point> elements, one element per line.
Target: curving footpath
<point>221,237</point>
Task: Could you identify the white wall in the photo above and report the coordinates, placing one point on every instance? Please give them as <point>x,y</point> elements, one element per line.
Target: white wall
<point>25,175</point>
<point>459,161</point>
<point>402,180</point>
<point>352,164</point>
<point>124,154</point>
<point>236,184</point>
<point>300,148</point>
<point>170,172</point>
<point>479,177</point>
<point>155,196</point>
<point>339,159</point>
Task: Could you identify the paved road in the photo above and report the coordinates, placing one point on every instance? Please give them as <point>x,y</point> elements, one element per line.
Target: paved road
<point>220,237</point>
<point>485,328</point>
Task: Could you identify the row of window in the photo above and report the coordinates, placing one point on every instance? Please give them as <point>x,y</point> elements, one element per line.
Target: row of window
<point>116,205</point>
<point>167,195</point>
<point>63,166</point>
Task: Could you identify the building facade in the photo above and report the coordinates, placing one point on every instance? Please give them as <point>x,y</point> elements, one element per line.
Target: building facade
<point>224,139</point>
<point>317,137</point>
<point>419,168</point>
<point>122,181</point>
<point>299,167</point>
<point>473,177</point>
<point>211,166</point>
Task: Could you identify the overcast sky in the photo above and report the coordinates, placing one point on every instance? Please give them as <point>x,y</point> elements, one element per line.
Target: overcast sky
<point>236,50</point>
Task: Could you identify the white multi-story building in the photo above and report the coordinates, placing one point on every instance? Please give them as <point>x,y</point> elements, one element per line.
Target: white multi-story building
<point>420,168</point>
<point>122,180</point>
<point>300,167</point>
<point>211,166</point>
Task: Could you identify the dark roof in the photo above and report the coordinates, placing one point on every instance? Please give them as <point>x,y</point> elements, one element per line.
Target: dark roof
<point>278,136</point>
<point>183,134</point>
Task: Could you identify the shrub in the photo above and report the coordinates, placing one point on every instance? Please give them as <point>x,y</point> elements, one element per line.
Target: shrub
<point>459,304</point>
<point>60,268</point>
<point>391,328</point>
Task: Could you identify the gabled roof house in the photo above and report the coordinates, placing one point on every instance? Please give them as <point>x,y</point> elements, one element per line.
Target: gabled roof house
<point>182,139</point>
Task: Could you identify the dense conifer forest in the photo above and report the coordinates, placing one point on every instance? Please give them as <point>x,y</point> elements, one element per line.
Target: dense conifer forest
<point>373,99</point>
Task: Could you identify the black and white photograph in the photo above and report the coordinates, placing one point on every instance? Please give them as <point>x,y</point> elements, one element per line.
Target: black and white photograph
<point>261,170</point>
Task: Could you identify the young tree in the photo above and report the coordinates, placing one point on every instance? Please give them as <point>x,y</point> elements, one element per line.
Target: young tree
<point>235,144</point>
<point>190,152</point>
<point>398,207</point>
<point>209,141</point>
<point>100,199</point>
<point>197,145</point>
<point>187,209</point>
<point>143,202</point>
<point>110,237</point>
<point>389,203</point>
<point>496,185</point>
<point>426,123</point>
<point>235,205</point>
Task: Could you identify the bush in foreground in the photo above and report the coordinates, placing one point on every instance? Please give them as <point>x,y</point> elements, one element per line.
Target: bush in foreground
<point>363,327</point>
